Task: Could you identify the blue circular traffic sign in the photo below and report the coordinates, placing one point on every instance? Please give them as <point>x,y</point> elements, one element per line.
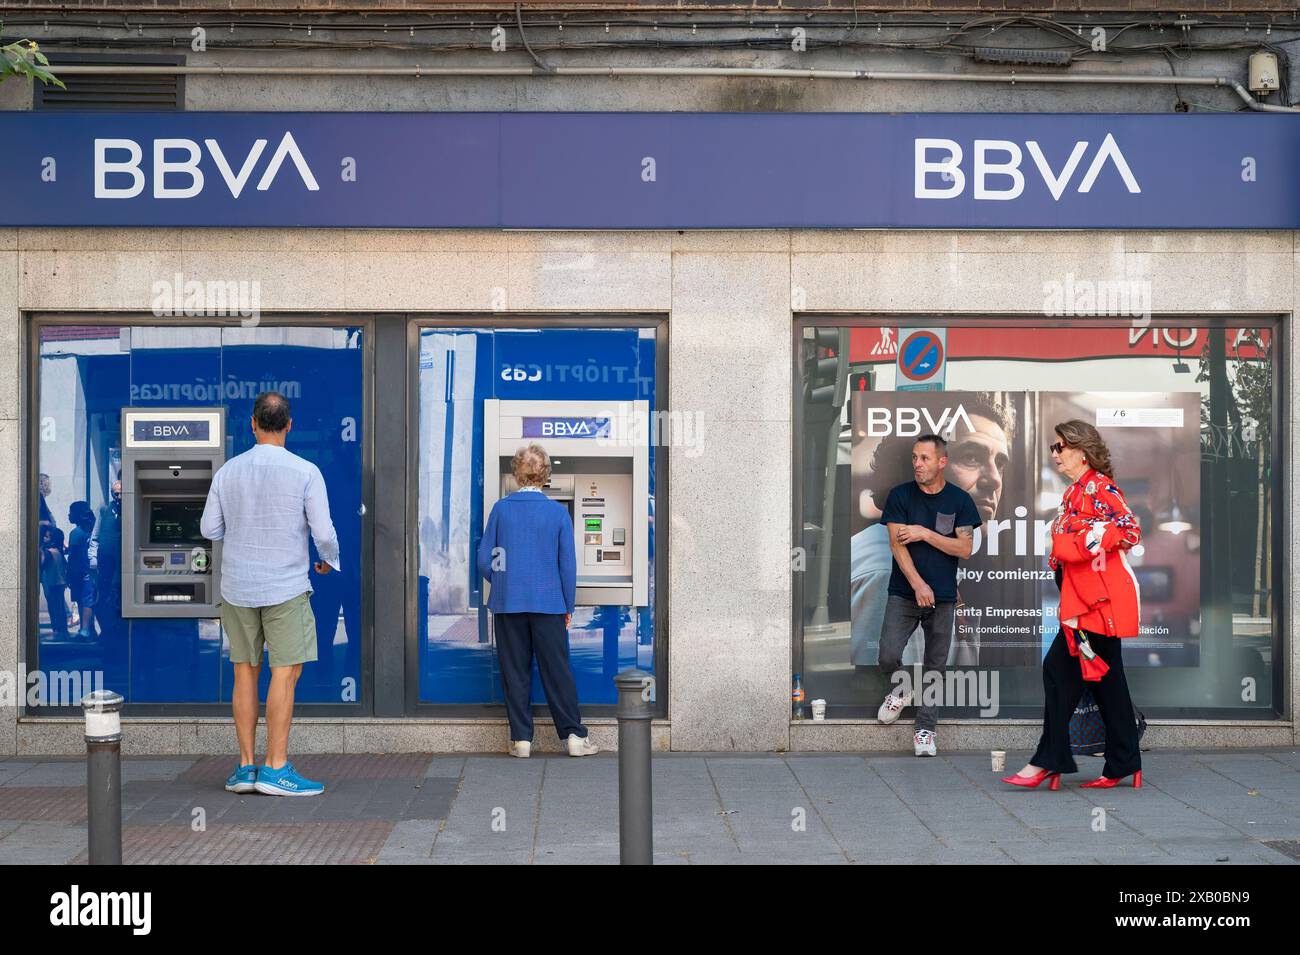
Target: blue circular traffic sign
<point>920,355</point>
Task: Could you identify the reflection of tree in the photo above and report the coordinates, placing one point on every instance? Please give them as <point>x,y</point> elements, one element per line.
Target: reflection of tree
<point>1246,434</point>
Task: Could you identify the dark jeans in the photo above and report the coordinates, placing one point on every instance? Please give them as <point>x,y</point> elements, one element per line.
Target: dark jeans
<point>58,608</point>
<point>901,619</point>
<point>520,636</point>
<point>1063,685</point>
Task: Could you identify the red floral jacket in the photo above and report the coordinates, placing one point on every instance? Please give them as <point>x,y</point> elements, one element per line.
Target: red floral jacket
<point>1091,535</point>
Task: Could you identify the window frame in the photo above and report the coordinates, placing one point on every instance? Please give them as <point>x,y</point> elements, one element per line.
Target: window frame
<point>31,325</point>
<point>1280,712</point>
<point>416,322</point>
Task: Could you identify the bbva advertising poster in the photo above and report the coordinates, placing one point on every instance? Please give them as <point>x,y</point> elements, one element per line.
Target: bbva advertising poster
<point>998,452</point>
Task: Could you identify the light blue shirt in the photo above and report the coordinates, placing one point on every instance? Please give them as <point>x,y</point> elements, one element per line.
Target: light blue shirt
<point>261,506</point>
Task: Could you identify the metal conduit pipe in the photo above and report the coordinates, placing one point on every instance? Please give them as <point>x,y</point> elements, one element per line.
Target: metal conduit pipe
<point>771,73</point>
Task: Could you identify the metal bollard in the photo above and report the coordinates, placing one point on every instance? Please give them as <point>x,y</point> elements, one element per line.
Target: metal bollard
<point>103,777</point>
<point>635,806</point>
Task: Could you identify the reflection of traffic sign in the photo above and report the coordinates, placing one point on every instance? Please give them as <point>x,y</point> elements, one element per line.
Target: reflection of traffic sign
<point>921,360</point>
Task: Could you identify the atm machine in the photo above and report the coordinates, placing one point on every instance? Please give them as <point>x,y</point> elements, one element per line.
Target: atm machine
<point>600,472</point>
<point>169,457</point>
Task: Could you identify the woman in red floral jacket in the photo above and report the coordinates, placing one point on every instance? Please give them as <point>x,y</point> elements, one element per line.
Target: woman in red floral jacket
<point>1100,599</point>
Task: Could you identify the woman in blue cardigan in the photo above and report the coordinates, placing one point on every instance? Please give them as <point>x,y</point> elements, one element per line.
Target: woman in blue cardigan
<point>527,556</point>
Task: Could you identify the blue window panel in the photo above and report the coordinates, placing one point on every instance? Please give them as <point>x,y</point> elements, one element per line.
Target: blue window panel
<point>459,368</point>
<point>87,375</point>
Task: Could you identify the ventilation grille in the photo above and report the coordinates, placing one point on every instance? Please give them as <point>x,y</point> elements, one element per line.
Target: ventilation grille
<point>112,91</point>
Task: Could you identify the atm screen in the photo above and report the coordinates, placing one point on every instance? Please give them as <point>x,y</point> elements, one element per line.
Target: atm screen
<point>175,522</point>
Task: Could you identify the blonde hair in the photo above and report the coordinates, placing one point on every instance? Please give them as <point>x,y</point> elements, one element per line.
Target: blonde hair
<point>1084,437</point>
<point>531,466</point>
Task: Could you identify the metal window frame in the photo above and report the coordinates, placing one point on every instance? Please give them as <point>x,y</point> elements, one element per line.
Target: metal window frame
<point>30,326</point>
<point>416,322</point>
<point>1283,513</point>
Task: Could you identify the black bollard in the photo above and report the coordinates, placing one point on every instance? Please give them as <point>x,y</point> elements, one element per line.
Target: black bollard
<point>103,777</point>
<point>635,806</point>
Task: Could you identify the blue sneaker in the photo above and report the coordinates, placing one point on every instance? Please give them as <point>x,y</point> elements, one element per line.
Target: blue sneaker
<point>285,782</point>
<point>242,780</point>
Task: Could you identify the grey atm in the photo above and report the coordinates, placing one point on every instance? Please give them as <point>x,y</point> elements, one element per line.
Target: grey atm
<point>599,472</point>
<point>168,459</point>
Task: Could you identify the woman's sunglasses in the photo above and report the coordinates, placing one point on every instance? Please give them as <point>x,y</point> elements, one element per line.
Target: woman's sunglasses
<point>1058,447</point>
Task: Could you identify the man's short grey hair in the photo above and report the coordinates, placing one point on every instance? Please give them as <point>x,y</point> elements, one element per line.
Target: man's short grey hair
<point>531,466</point>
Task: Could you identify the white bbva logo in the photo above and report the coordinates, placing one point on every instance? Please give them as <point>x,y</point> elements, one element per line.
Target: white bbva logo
<point>188,167</point>
<point>171,431</point>
<point>569,429</point>
<point>949,168</point>
<point>906,422</point>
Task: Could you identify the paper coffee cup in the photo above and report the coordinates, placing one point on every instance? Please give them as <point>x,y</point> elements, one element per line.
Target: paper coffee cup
<point>819,709</point>
<point>999,757</point>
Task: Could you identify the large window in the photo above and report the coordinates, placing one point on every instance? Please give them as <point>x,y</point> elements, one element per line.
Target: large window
<point>459,370</point>
<point>1191,417</point>
<point>85,375</point>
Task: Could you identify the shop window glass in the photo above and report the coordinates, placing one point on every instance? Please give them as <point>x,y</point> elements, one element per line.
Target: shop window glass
<point>86,375</point>
<point>1188,415</point>
<point>458,369</point>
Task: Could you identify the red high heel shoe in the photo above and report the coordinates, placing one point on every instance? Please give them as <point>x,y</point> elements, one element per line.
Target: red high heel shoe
<point>1103,783</point>
<point>1031,782</point>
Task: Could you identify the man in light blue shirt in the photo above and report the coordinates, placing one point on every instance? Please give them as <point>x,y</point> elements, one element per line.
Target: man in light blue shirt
<point>263,504</point>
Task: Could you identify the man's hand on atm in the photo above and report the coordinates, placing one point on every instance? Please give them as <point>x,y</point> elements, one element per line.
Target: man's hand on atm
<point>321,567</point>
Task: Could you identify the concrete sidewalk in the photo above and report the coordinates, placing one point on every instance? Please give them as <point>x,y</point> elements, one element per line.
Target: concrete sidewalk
<point>1217,807</point>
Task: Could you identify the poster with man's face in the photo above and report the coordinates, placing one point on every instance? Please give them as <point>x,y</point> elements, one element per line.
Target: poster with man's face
<point>998,453</point>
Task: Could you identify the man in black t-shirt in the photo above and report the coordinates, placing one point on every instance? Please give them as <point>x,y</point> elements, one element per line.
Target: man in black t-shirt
<point>931,526</point>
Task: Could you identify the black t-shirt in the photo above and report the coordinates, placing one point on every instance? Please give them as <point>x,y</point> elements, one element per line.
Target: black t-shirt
<point>943,513</point>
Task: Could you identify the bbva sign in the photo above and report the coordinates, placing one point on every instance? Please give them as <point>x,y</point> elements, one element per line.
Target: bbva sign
<point>188,167</point>
<point>949,168</point>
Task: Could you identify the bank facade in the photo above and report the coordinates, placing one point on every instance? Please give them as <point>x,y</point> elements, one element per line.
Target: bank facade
<point>718,312</point>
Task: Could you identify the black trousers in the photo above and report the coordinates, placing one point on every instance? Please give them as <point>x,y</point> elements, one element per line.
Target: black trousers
<point>1063,685</point>
<point>520,637</point>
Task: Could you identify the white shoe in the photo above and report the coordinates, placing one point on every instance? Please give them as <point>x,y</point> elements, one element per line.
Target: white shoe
<point>521,748</point>
<point>924,743</point>
<point>581,746</point>
<point>893,705</point>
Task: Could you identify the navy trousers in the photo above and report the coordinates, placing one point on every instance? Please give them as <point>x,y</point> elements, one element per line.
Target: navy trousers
<point>520,637</point>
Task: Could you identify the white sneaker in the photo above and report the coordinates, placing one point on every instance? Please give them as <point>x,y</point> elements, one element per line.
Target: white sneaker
<point>924,743</point>
<point>581,746</point>
<point>521,748</point>
<point>893,705</point>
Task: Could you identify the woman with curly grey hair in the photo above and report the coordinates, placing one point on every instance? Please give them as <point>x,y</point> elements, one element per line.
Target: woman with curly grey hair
<point>527,555</point>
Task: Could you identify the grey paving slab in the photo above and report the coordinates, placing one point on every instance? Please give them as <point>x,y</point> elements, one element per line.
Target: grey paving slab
<point>42,843</point>
<point>769,810</point>
<point>494,817</point>
<point>410,843</point>
<point>12,769</point>
<point>51,773</point>
<point>446,766</point>
<point>139,770</point>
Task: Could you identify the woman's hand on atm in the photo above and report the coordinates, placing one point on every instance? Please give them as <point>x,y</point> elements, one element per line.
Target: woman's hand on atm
<point>321,567</point>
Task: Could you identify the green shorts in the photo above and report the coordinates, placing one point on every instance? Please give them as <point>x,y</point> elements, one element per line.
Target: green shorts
<point>287,630</point>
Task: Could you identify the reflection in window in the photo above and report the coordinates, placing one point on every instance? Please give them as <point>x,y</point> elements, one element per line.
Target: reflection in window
<point>458,369</point>
<point>86,375</point>
<point>1187,414</point>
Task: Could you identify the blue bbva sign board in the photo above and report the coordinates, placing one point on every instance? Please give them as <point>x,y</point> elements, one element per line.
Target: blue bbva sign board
<point>652,170</point>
